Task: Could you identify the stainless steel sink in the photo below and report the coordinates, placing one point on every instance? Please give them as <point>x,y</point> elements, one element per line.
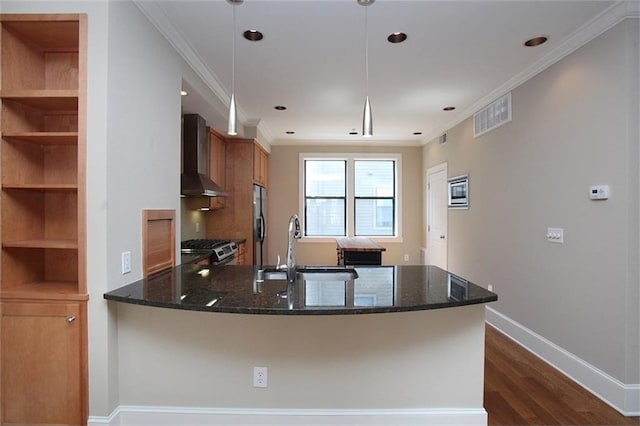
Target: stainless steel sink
<point>326,273</point>
<point>271,274</point>
<point>308,273</point>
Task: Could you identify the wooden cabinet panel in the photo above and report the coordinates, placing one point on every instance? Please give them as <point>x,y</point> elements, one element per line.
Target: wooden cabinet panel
<point>42,353</point>
<point>260,166</point>
<point>241,258</point>
<point>217,166</point>
<point>158,240</point>
<point>235,221</point>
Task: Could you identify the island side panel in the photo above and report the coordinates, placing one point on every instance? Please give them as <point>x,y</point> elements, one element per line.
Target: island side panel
<point>425,359</point>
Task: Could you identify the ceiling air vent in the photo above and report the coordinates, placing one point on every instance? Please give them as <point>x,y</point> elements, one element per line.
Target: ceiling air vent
<point>493,115</point>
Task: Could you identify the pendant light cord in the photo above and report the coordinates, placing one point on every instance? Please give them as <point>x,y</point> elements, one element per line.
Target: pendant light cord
<point>366,53</point>
<point>233,53</point>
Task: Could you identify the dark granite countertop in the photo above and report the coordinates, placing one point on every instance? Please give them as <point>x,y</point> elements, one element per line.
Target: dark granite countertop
<point>234,289</point>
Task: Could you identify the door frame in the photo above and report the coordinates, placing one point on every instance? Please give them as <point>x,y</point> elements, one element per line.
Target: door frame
<point>432,170</point>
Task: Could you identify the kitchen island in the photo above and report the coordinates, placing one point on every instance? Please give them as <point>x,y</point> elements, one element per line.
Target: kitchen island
<point>397,345</point>
<point>358,251</point>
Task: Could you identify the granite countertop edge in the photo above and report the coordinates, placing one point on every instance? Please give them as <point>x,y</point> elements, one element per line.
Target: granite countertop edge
<point>232,289</point>
<point>320,311</point>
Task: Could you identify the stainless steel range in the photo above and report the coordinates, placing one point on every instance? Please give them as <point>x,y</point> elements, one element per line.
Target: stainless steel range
<point>219,251</point>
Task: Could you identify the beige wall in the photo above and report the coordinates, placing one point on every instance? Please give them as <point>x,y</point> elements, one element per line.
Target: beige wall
<point>193,224</point>
<point>283,201</point>
<point>425,359</point>
<point>574,125</point>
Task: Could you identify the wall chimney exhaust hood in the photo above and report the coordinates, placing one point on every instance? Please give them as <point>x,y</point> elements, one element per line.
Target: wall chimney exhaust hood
<point>195,180</point>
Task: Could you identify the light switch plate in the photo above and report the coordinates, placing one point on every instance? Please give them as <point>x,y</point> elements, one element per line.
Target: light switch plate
<point>555,235</point>
<point>126,262</point>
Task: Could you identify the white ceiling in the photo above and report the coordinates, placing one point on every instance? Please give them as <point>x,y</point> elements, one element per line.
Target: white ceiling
<point>311,60</point>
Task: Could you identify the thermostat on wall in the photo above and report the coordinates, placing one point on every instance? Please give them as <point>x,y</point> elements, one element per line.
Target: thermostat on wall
<point>599,192</point>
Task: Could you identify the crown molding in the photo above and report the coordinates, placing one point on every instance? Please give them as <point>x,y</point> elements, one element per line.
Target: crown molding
<point>156,14</point>
<point>602,22</point>
<point>357,141</point>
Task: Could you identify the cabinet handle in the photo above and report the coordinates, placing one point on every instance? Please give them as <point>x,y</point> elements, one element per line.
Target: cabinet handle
<point>71,319</point>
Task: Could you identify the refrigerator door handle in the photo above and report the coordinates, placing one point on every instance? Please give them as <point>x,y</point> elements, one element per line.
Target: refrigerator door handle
<point>262,228</point>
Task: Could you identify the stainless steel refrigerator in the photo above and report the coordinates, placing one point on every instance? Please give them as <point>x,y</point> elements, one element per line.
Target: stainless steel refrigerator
<point>259,225</point>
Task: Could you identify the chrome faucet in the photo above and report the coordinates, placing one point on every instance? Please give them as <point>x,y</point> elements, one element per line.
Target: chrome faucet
<point>294,233</point>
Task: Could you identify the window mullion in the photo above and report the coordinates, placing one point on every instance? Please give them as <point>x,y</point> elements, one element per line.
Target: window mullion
<point>350,198</point>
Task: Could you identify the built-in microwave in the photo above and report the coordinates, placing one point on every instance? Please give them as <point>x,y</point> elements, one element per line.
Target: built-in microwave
<point>459,192</point>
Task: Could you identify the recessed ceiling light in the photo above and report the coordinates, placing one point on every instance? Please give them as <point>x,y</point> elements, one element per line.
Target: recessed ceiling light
<point>280,107</point>
<point>449,108</point>
<point>290,132</point>
<point>536,41</point>
<point>253,35</point>
<point>183,93</point>
<point>397,37</point>
<point>417,133</point>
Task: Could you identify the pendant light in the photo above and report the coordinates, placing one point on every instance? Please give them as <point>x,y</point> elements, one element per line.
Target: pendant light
<point>367,117</point>
<point>232,123</point>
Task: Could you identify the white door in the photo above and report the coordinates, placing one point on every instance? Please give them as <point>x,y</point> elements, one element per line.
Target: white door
<point>437,216</point>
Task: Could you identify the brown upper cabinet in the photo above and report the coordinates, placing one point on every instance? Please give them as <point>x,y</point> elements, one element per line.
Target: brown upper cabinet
<point>260,165</point>
<point>217,158</point>
<point>43,291</point>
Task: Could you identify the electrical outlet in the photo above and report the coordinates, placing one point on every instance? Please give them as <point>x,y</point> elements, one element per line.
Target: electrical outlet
<point>406,257</point>
<point>260,377</point>
<point>197,227</point>
<point>490,287</point>
<point>126,262</point>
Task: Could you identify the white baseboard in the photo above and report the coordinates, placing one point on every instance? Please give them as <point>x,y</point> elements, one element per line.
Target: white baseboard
<point>186,416</point>
<point>622,397</point>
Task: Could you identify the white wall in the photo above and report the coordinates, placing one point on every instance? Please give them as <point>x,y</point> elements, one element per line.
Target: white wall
<point>143,151</point>
<point>574,125</point>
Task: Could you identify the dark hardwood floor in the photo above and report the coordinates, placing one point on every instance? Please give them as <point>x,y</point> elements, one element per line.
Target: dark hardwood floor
<point>521,389</point>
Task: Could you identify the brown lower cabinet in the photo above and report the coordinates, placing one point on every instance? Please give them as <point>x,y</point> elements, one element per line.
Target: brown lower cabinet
<point>43,355</point>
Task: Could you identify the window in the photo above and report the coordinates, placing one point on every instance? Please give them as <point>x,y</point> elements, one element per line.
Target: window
<point>350,195</point>
<point>325,197</point>
<point>374,190</point>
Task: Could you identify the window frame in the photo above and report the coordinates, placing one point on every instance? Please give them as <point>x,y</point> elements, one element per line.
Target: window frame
<point>350,158</point>
<point>376,198</point>
<point>303,224</point>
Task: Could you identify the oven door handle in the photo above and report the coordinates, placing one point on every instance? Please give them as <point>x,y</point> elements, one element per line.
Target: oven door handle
<point>226,260</point>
